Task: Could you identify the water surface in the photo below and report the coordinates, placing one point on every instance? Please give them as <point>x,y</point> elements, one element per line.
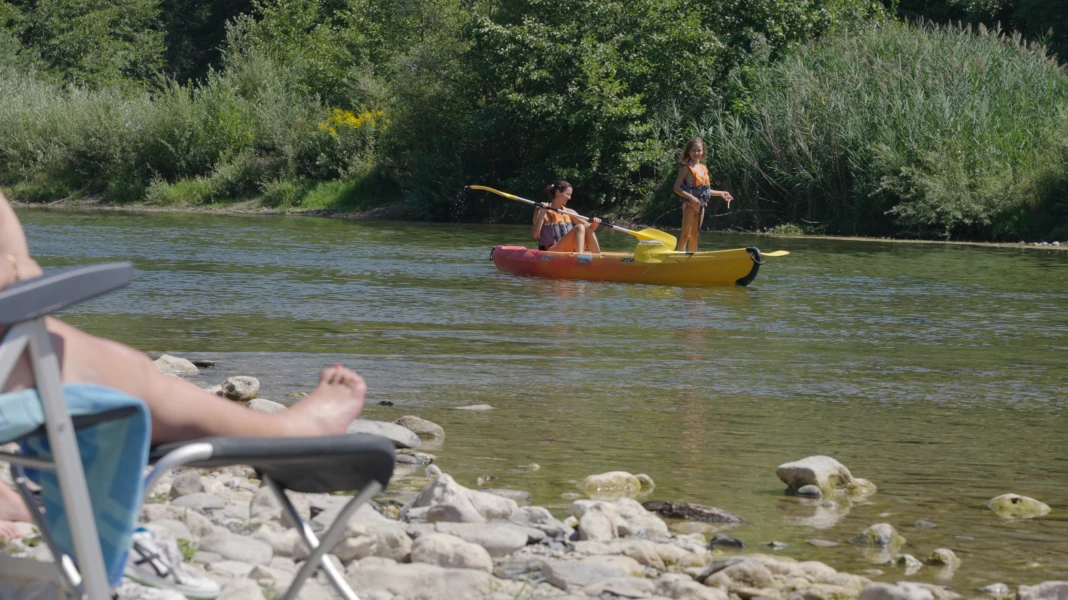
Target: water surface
<point>935,371</point>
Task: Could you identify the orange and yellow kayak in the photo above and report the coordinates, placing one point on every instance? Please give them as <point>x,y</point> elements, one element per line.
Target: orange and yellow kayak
<point>721,267</point>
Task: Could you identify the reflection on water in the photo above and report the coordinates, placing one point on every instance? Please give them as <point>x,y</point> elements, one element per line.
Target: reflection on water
<point>937,372</point>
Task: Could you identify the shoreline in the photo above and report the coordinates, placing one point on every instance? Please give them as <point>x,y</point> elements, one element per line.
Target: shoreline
<point>391,212</point>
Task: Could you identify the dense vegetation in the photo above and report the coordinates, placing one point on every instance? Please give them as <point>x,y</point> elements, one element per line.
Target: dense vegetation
<point>823,114</point>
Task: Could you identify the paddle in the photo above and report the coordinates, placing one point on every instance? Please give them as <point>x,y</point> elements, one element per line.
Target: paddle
<point>645,234</point>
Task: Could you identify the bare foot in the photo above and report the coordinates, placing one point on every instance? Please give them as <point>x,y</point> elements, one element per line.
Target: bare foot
<point>12,507</point>
<point>8,531</point>
<point>336,401</point>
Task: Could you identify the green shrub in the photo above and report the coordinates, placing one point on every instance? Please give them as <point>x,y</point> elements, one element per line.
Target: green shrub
<point>900,130</point>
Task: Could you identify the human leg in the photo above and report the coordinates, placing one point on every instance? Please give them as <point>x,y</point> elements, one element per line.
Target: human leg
<point>574,241</point>
<point>688,218</point>
<point>591,241</point>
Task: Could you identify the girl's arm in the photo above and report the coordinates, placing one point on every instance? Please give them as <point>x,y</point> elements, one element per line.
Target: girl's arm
<point>681,179</point>
<point>575,218</point>
<point>725,195</point>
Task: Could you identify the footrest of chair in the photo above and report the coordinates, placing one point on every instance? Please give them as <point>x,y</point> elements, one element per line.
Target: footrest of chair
<point>302,464</point>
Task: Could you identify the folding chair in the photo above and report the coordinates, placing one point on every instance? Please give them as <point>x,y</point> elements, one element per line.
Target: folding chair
<point>68,431</point>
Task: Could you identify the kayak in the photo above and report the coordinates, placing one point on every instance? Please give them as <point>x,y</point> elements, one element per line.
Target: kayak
<point>721,267</point>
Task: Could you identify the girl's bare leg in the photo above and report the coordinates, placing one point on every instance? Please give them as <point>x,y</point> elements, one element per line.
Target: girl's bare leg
<point>687,225</point>
<point>12,509</point>
<point>591,241</point>
<point>574,241</point>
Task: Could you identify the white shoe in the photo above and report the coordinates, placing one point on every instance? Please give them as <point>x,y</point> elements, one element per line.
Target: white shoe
<point>131,590</point>
<point>159,564</point>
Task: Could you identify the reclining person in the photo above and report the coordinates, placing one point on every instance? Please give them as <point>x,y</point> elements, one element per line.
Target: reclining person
<point>178,409</point>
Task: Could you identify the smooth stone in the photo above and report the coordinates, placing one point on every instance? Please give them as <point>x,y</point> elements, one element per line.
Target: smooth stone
<point>572,575</point>
<point>1047,590</point>
<point>723,540</point>
<point>809,491</point>
<point>627,587</point>
<point>903,590</point>
<point>418,580</point>
<point>910,563</point>
<point>692,512</point>
<point>684,588</point>
<point>881,535</point>
<point>1014,506</point>
<point>822,543</point>
<point>173,365</point>
<point>921,524</point>
<point>240,389</point>
<point>475,407</point>
<point>824,472</point>
<point>267,407</point>
<point>402,437</point>
<point>449,551</point>
<point>199,501</point>
<point>997,590</point>
<point>241,589</point>
<point>421,427</point>
<point>231,569</point>
<point>185,483</point>
<point>239,548</point>
<point>499,540</point>
<point>943,557</point>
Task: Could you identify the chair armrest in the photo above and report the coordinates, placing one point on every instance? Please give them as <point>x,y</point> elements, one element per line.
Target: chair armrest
<point>55,291</point>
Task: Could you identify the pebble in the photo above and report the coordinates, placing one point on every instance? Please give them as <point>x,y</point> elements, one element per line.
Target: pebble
<point>822,543</point>
<point>921,524</point>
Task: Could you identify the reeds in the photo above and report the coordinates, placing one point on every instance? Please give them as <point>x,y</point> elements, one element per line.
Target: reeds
<point>905,130</point>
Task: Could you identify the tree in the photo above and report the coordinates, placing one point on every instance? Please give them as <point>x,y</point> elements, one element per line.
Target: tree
<point>93,42</point>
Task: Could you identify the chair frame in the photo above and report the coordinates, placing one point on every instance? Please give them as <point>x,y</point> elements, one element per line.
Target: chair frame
<point>27,303</point>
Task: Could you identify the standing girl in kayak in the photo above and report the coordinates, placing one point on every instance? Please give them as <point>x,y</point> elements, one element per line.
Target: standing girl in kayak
<point>694,187</point>
<point>562,230</point>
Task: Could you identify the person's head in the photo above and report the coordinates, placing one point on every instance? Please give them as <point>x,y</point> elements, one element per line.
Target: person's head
<point>559,191</point>
<point>694,150</point>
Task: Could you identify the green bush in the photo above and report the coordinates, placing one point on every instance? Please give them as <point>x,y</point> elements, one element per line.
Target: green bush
<point>901,130</point>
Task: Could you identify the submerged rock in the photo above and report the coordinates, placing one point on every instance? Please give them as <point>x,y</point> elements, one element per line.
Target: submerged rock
<point>691,512</point>
<point>943,557</point>
<point>1047,590</point>
<point>1014,506</point>
<point>616,484</point>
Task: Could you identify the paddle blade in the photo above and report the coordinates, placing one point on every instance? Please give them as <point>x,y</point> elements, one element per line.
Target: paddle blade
<point>656,235</point>
<point>776,253</point>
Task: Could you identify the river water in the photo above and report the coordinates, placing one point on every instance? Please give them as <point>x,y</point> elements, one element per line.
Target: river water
<point>935,371</point>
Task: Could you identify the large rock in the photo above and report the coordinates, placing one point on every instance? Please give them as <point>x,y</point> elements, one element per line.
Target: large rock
<point>185,483</point>
<point>539,517</point>
<point>681,587</point>
<point>239,389</point>
<point>1047,590</point>
<point>449,551</point>
<point>1014,506</point>
<point>445,500</point>
<point>421,427</point>
<point>824,472</point>
<point>402,437</point>
<point>267,407</point>
<point>599,523</point>
<point>173,365</point>
<point>573,575</point>
<point>499,539</point>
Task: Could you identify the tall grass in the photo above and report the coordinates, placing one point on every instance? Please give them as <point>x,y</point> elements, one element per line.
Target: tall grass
<point>905,130</point>
<point>237,135</point>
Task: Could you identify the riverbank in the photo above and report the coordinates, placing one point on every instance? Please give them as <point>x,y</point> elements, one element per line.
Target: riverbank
<point>394,211</point>
<point>429,538</point>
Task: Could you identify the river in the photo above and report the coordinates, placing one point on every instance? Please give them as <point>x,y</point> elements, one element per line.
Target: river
<point>938,372</point>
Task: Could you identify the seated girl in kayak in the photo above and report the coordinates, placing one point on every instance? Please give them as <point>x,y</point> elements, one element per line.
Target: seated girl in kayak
<point>694,187</point>
<point>562,230</point>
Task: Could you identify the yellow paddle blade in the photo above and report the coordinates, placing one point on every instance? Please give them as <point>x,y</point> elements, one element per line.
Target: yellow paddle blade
<point>776,253</point>
<point>656,235</point>
<point>493,191</point>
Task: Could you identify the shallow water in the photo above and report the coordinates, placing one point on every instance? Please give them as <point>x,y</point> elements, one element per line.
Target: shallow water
<point>935,371</point>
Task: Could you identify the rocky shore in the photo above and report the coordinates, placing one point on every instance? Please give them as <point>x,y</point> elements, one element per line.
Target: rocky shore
<point>429,538</point>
